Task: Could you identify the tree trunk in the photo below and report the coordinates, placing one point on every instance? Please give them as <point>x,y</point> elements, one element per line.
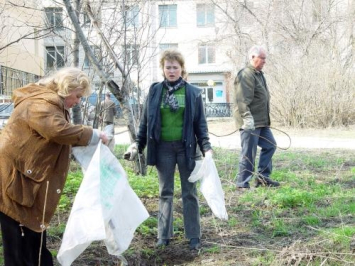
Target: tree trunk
<point>77,116</point>
<point>121,95</point>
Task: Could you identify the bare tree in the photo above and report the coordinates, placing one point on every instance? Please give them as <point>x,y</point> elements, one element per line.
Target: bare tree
<point>310,68</point>
<point>127,49</point>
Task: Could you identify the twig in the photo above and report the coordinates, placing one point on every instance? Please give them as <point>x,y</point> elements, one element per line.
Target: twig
<point>42,225</point>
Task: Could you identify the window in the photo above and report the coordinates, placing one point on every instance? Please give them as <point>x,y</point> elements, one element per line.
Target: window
<point>132,54</point>
<point>132,16</point>
<point>205,15</point>
<point>206,54</point>
<point>11,79</point>
<point>167,15</point>
<point>164,46</point>
<point>55,56</point>
<point>54,17</point>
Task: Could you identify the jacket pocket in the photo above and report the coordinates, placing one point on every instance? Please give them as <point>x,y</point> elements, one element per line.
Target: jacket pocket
<point>22,189</point>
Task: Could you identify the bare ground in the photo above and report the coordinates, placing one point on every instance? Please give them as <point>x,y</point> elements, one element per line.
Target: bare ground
<point>223,134</point>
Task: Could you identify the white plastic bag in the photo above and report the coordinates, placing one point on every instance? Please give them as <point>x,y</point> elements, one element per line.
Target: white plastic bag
<point>210,186</point>
<point>110,133</point>
<point>105,207</point>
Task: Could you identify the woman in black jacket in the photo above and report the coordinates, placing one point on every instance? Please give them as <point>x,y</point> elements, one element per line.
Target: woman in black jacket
<point>172,125</point>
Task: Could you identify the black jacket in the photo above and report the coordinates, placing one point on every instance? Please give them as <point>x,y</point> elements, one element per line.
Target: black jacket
<point>195,130</point>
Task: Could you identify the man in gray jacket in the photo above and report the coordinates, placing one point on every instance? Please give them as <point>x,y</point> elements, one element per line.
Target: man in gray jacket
<point>252,116</point>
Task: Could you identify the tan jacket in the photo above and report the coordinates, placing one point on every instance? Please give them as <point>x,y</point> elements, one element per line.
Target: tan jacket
<point>35,154</point>
<point>108,110</point>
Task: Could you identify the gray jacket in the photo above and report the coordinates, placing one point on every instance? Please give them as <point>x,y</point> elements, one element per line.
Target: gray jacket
<point>195,130</point>
<point>251,95</point>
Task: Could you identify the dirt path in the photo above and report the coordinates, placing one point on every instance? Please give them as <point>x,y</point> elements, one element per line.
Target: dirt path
<point>223,134</point>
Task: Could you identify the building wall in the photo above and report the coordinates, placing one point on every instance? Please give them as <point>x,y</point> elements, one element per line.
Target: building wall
<point>24,55</point>
<point>188,35</point>
<point>247,23</point>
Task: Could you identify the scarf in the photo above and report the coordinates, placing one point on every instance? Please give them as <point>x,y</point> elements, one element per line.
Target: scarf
<point>169,98</point>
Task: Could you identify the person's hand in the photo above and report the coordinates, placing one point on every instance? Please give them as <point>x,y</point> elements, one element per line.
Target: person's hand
<point>248,122</point>
<point>103,138</point>
<point>131,152</point>
<point>209,153</point>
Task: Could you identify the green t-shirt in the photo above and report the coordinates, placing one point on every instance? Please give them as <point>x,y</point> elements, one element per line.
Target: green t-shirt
<point>172,122</point>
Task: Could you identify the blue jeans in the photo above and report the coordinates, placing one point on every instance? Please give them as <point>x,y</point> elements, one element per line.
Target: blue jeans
<point>168,155</point>
<point>250,140</point>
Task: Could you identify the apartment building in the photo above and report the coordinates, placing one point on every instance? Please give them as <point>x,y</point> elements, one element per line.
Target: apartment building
<point>21,58</point>
<point>194,27</point>
<point>213,36</point>
<point>139,33</point>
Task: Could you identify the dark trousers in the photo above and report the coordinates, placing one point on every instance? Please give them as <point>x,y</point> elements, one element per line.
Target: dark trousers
<point>250,140</point>
<point>21,245</point>
<point>170,154</point>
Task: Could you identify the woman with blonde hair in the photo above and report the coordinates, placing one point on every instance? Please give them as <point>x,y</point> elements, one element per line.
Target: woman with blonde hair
<point>34,161</point>
<point>173,126</point>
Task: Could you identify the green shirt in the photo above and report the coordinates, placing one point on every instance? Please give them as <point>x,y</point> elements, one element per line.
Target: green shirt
<point>172,122</point>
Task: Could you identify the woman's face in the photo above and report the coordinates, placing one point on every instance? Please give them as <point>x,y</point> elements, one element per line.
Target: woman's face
<point>74,98</point>
<point>172,70</point>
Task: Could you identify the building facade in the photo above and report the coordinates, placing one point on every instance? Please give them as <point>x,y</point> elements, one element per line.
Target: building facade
<point>21,59</point>
<point>213,36</point>
<point>143,30</point>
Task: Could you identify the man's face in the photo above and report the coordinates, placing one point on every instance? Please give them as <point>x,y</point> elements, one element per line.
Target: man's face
<point>259,61</point>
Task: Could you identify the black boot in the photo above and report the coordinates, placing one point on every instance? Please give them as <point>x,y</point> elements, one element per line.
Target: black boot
<point>195,244</point>
<point>266,182</point>
<point>162,242</point>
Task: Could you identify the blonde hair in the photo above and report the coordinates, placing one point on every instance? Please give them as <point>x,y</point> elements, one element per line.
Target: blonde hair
<point>66,80</point>
<point>173,55</point>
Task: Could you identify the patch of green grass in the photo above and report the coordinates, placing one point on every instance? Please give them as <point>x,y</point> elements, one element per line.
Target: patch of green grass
<point>232,222</point>
<point>73,182</point>
<point>214,249</point>
<point>144,186</point>
<point>339,237</point>
<point>204,210</point>
<point>148,252</point>
<point>56,231</point>
<point>178,225</point>
<point>148,227</point>
<point>285,175</point>
<point>70,189</point>
<point>339,207</point>
<point>227,165</point>
<point>263,258</point>
<point>279,228</point>
<point>287,197</point>
<point>256,218</point>
<point>311,220</point>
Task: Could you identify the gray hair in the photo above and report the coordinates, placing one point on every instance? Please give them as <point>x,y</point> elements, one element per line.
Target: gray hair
<point>256,50</point>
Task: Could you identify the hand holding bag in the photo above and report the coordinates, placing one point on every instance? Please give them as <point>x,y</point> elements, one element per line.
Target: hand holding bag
<point>210,186</point>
